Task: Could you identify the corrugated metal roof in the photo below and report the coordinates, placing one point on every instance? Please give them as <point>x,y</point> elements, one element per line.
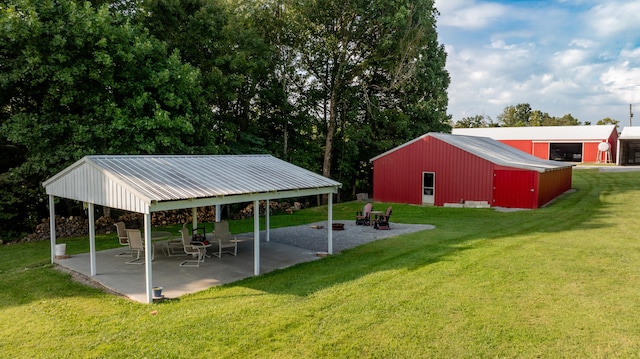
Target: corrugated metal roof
<point>541,133</point>
<point>136,181</point>
<point>630,133</point>
<point>490,150</point>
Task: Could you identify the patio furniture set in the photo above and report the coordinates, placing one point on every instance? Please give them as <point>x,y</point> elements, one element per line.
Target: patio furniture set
<point>379,221</point>
<point>195,246</point>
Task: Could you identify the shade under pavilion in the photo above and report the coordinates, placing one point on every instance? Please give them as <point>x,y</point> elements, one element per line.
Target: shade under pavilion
<point>147,184</point>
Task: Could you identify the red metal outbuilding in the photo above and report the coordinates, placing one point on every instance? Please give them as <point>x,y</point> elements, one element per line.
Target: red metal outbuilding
<point>440,169</point>
<point>559,143</point>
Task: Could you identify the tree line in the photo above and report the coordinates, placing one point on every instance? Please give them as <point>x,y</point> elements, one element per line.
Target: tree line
<point>522,115</point>
<point>325,85</point>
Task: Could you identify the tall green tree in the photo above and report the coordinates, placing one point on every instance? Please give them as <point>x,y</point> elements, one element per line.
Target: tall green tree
<point>608,121</point>
<point>566,120</point>
<point>371,66</point>
<point>219,39</point>
<point>516,116</point>
<point>477,121</point>
<point>76,80</point>
<point>539,118</point>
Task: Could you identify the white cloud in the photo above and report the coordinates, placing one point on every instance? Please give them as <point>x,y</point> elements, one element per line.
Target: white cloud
<point>614,17</point>
<point>448,6</point>
<point>569,58</point>
<point>469,14</point>
<point>553,56</point>
<point>622,81</point>
<point>630,54</point>
<point>583,43</point>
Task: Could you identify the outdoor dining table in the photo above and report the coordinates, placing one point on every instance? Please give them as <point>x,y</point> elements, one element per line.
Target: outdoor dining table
<point>157,236</point>
<point>372,216</point>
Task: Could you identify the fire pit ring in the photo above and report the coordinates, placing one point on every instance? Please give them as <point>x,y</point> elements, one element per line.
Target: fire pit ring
<point>337,226</point>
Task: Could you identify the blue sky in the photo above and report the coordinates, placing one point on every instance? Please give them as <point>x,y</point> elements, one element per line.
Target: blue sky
<point>574,56</point>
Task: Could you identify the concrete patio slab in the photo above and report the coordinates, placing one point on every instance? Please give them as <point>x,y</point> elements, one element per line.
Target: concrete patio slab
<point>288,246</point>
<point>128,280</point>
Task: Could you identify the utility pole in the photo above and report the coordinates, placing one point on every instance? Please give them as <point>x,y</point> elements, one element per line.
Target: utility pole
<point>630,115</point>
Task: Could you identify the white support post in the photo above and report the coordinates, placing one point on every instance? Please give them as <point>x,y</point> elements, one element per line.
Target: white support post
<point>256,237</point>
<point>52,226</point>
<point>148,255</point>
<point>92,238</point>
<point>218,214</point>
<point>266,221</point>
<point>194,217</point>
<point>330,223</point>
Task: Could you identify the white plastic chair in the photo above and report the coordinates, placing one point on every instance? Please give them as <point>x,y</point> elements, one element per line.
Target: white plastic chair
<point>224,239</point>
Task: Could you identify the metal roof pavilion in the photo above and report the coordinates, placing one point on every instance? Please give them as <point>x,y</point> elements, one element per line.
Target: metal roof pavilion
<point>490,150</point>
<point>147,184</point>
<point>157,183</point>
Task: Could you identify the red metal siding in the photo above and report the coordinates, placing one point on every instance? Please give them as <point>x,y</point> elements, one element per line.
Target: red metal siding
<point>613,142</point>
<point>397,177</point>
<point>390,179</point>
<point>590,151</point>
<point>514,188</point>
<point>551,184</point>
<point>522,145</point>
<point>541,150</point>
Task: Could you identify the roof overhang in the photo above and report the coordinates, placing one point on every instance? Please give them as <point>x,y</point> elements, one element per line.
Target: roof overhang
<point>212,201</point>
<point>147,184</point>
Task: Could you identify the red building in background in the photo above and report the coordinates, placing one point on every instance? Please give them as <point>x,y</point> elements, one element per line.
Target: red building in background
<point>558,143</point>
<point>440,169</point>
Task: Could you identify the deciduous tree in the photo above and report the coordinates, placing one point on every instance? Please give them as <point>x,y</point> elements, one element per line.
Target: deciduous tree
<point>76,80</point>
<point>477,121</point>
<point>515,116</point>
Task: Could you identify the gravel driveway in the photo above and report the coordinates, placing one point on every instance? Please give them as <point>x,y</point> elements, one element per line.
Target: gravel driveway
<point>352,236</point>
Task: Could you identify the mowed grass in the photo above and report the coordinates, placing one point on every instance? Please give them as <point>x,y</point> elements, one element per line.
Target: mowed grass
<point>562,281</point>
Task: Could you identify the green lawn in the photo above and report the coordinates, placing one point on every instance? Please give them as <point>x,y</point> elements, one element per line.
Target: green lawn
<point>563,281</point>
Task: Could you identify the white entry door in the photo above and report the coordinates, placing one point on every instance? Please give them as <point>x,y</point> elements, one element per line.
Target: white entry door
<point>428,187</point>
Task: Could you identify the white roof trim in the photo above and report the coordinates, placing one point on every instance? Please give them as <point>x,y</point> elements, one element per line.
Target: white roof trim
<point>541,133</point>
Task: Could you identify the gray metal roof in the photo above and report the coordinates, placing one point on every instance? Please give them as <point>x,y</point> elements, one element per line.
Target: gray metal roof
<point>630,133</point>
<point>491,150</point>
<point>143,183</point>
<point>541,133</point>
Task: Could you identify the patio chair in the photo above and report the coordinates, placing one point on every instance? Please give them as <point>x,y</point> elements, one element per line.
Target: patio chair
<point>174,247</point>
<point>224,240</point>
<point>136,245</point>
<point>382,222</point>
<point>122,238</point>
<point>364,218</point>
<point>198,252</point>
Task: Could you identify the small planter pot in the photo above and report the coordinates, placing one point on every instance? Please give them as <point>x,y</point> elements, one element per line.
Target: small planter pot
<point>157,292</point>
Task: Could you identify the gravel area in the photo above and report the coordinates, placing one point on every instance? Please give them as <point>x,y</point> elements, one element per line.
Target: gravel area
<point>315,239</point>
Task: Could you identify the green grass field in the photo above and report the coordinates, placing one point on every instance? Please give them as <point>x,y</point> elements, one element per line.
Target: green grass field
<point>562,281</point>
